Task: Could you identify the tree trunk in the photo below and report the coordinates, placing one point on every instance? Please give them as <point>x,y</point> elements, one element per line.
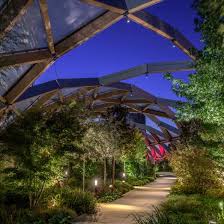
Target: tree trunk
<point>113,171</point>
<point>104,171</point>
<point>83,174</point>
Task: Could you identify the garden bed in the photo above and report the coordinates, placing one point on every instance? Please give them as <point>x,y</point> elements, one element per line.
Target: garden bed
<point>186,209</point>
<point>109,195</point>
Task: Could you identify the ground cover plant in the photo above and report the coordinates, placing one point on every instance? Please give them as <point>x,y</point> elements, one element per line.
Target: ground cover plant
<point>185,209</point>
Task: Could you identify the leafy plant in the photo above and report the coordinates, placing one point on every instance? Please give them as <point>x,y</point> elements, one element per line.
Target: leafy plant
<point>195,170</point>
<point>183,209</point>
<point>109,196</point>
<point>158,216</point>
<point>35,148</point>
<point>79,201</point>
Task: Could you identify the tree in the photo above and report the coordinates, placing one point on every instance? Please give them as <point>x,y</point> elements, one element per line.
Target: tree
<point>110,137</point>
<point>136,163</point>
<point>95,142</point>
<point>37,146</point>
<point>205,90</point>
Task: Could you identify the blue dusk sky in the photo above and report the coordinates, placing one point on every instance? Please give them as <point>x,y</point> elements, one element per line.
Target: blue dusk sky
<point>125,45</point>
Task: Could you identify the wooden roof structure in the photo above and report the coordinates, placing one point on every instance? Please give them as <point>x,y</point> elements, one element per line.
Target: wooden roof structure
<point>99,98</point>
<point>32,37</point>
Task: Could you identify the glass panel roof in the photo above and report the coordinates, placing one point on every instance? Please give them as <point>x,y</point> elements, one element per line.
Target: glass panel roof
<point>69,15</point>
<point>26,104</point>
<point>185,15</point>
<point>136,45</point>
<point>168,121</point>
<point>27,34</point>
<point>68,91</point>
<point>9,75</point>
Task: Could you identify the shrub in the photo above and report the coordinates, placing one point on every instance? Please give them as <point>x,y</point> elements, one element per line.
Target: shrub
<point>196,172</point>
<point>108,196</point>
<point>184,209</point>
<point>123,187</point>
<point>75,199</point>
<point>81,202</point>
<point>158,216</point>
<point>215,192</point>
<point>194,208</point>
<point>57,216</point>
<point>139,181</point>
<point>26,216</point>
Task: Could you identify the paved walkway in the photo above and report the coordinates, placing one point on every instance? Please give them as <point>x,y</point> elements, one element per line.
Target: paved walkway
<point>140,200</point>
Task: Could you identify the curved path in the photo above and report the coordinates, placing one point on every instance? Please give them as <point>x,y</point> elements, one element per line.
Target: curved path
<point>140,200</point>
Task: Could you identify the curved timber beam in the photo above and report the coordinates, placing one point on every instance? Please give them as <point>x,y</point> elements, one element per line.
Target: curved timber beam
<point>116,94</point>
<point>47,25</point>
<point>164,126</point>
<point>111,5</point>
<point>122,6</point>
<point>136,5</point>
<point>150,68</point>
<point>149,129</point>
<point>10,14</point>
<point>74,40</point>
<point>162,28</point>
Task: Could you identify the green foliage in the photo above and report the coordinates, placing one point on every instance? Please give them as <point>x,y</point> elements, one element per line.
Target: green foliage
<point>35,148</point>
<point>122,186</point>
<point>204,92</point>
<point>134,181</point>
<point>158,217</point>
<point>81,202</point>
<point>25,216</point>
<point>195,170</point>
<point>205,88</point>
<point>119,136</point>
<point>109,196</point>
<point>182,209</point>
<point>136,165</point>
<point>57,216</point>
<point>216,192</point>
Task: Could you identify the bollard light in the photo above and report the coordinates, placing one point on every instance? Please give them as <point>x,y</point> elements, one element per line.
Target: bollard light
<point>123,181</point>
<point>124,175</point>
<point>96,182</point>
<point>110,186</point>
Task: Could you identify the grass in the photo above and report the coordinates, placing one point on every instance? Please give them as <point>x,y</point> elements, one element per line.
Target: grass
<point>185,209</point>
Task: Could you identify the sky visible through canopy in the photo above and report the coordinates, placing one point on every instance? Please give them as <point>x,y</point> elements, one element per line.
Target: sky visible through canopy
<point>125,45</point>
